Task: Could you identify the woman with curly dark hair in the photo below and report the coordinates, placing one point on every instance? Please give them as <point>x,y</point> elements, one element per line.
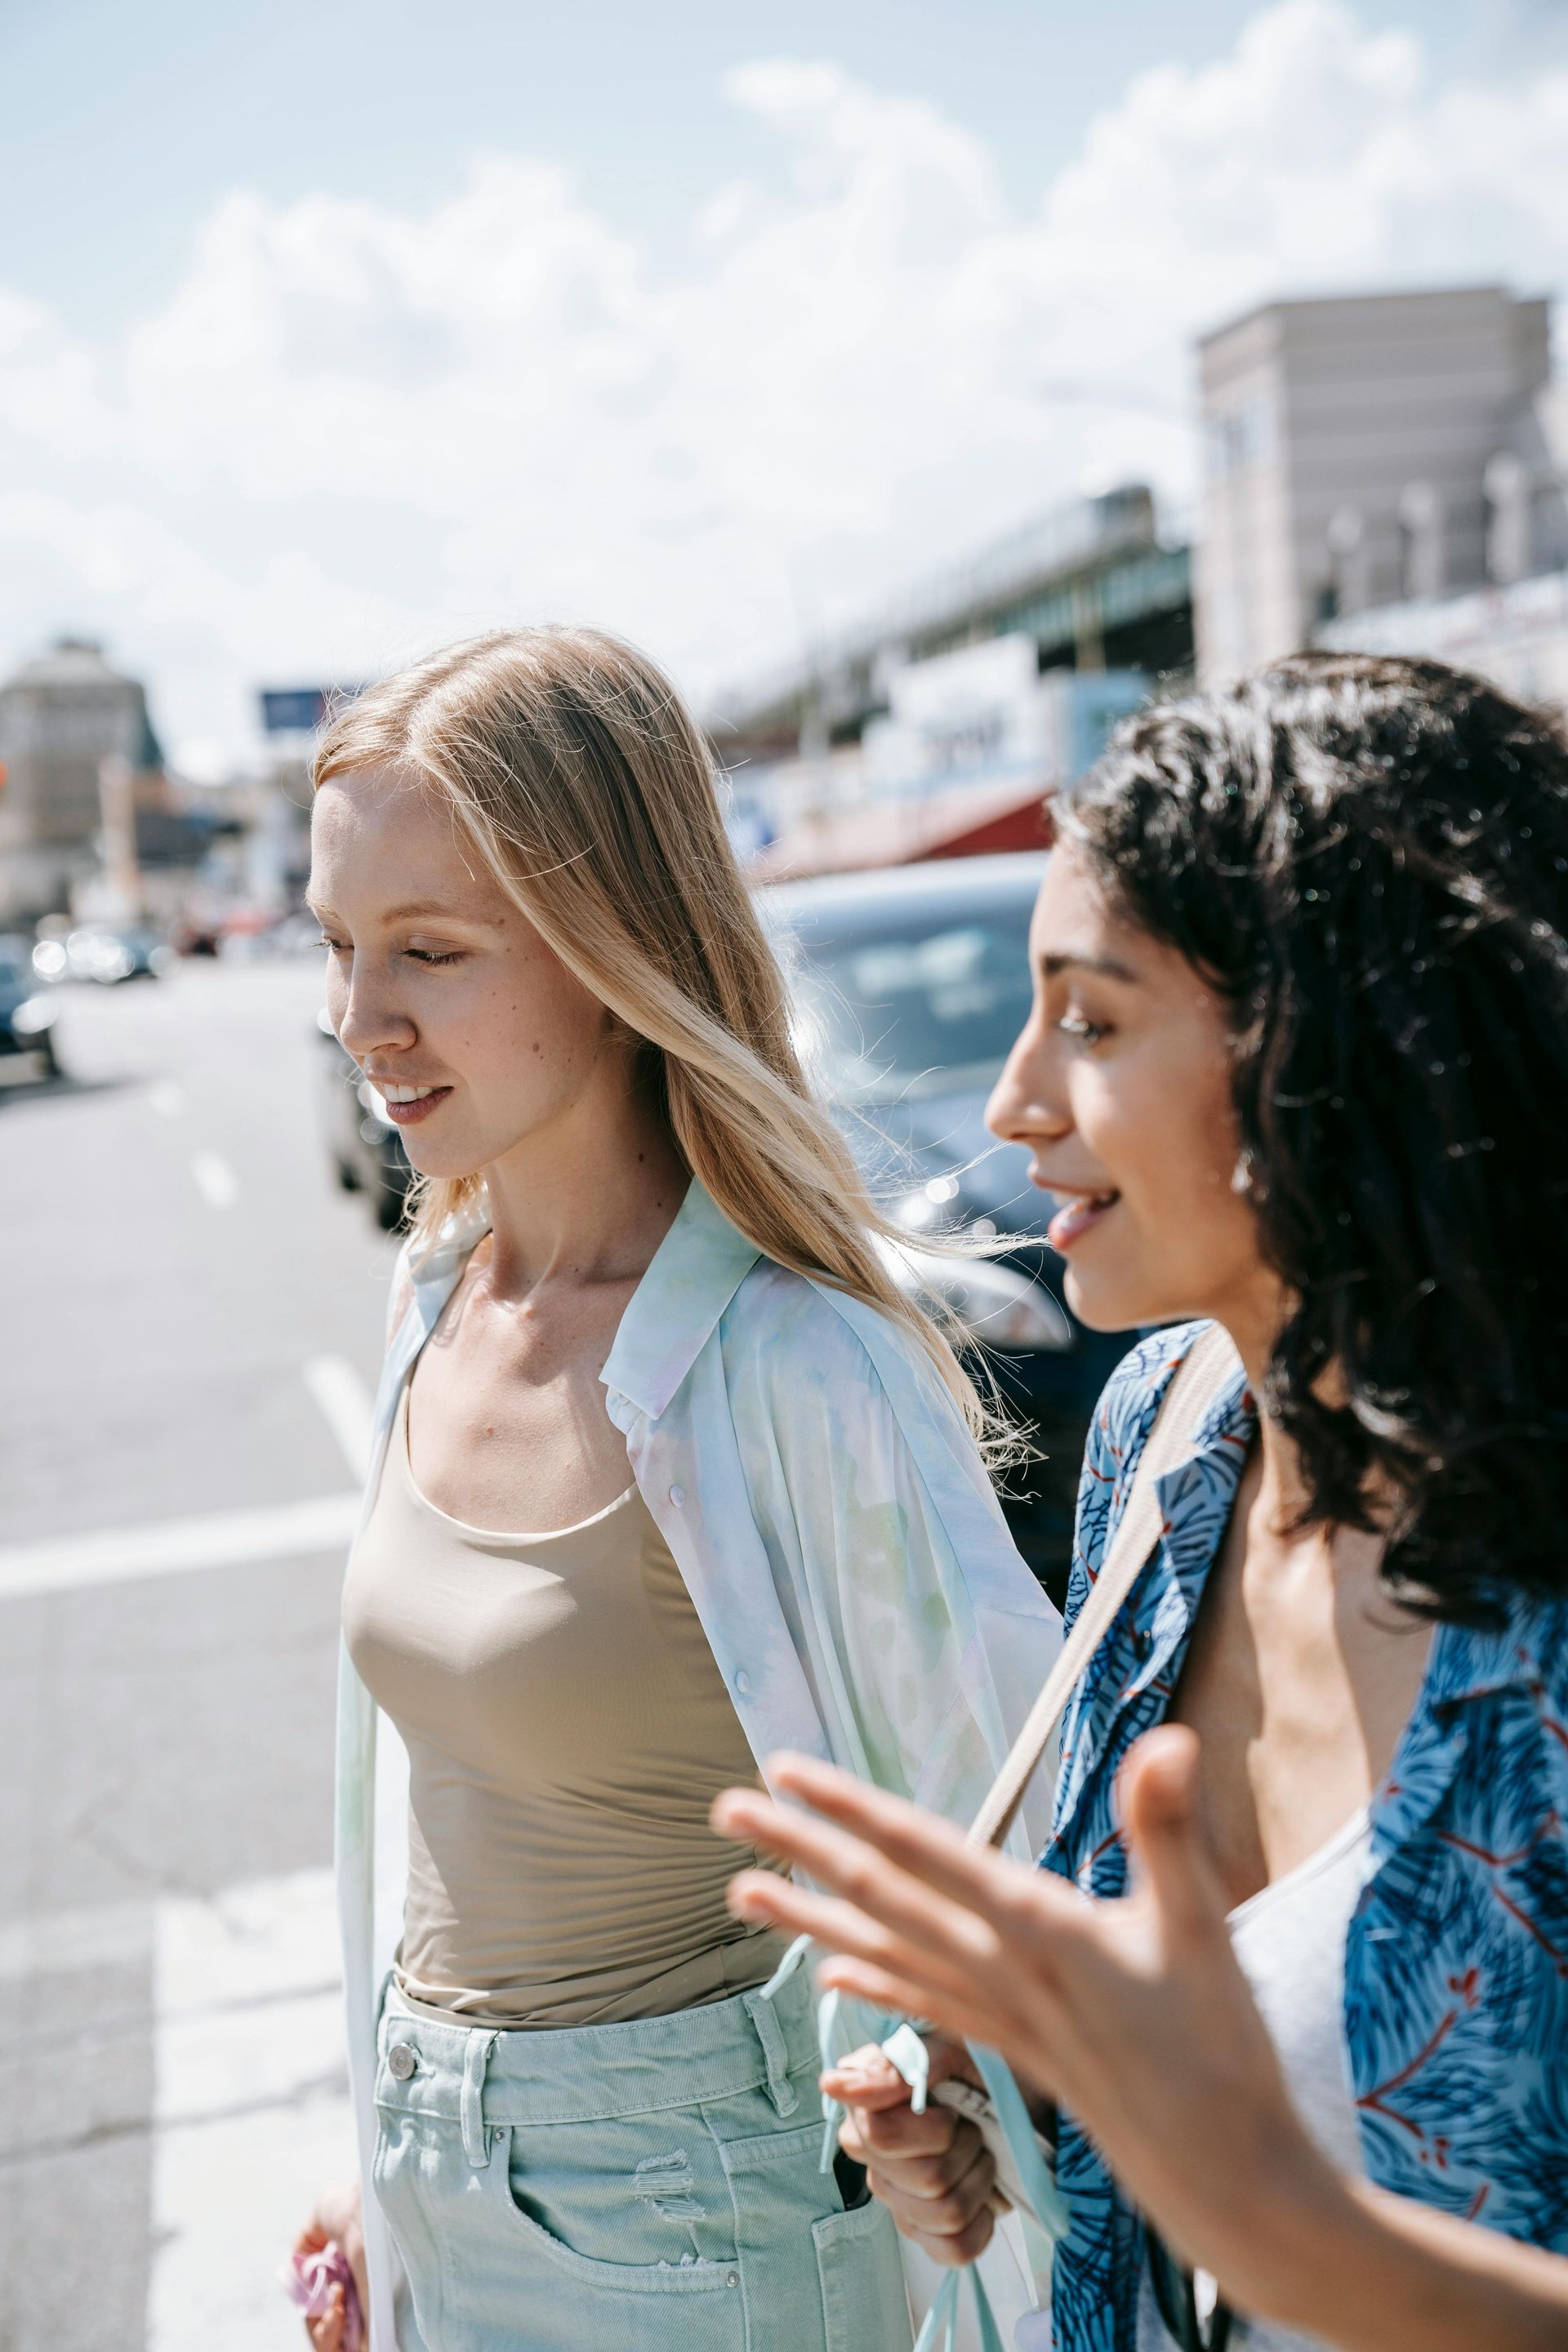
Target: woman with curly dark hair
<point>1298,1065</point>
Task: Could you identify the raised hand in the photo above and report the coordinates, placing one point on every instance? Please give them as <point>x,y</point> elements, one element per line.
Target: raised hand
<point>1133,2013</point>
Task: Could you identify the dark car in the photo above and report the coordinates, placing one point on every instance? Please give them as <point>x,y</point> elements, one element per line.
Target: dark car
<point>909,987</point>
<point>26,1014</point>
<point>365,1149</point>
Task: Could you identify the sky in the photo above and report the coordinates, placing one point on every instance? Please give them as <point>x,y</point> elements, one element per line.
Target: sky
<point>331,332</point>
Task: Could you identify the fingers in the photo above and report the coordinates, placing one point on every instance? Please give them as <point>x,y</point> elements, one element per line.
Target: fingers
<point>327,2333</point>
<point>1158,1792</point>
<point>967,1949</point>
<point>967,2246</point>
<point>849,1865</point>
<point>867,2078</point>
<point>939,2137</point>
<point>916,1843</point>
<point>962,2013</point>
<point>940,2200</point>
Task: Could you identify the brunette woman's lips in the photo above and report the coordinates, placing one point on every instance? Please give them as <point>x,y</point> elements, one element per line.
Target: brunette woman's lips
<point>1077,1215</point>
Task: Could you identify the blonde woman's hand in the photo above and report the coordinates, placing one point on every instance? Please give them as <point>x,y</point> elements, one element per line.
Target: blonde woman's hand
<point>337,2215</point>
<point>933,2172</point>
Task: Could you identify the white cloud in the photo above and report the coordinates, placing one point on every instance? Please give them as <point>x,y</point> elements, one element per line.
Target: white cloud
<point>352,431</point>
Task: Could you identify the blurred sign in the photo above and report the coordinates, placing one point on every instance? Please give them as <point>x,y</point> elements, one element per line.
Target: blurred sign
<point>984,713</point>
<point>293,711</point>
<point>301,709</point>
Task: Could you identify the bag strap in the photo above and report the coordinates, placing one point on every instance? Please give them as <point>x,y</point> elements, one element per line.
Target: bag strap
<point>1200,1378</point>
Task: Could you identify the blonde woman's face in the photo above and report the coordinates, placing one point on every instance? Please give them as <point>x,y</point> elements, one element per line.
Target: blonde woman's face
<point>445,996</point>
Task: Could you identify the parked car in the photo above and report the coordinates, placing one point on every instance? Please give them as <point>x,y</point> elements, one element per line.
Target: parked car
<point>26,1014</point>
<point>909,987</point>
<point>366,1150</point>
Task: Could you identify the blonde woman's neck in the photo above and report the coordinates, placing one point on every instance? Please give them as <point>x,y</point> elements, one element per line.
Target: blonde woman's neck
<point>588,1198</point>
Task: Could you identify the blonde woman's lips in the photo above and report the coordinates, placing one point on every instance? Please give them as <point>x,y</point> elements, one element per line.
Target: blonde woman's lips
<point>406,1106</point>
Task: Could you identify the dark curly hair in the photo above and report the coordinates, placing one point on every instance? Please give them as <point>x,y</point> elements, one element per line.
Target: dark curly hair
<point>1368,857</point>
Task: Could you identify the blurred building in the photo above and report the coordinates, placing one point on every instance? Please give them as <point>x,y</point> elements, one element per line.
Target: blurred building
<point>936,726</point>
<point>62,717</point>
<point>91,824</point>
<point>1369,454</point>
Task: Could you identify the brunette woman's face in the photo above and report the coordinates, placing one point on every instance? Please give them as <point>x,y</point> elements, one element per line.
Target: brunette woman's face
<point>1121,1087</point>
<point>436,983</point>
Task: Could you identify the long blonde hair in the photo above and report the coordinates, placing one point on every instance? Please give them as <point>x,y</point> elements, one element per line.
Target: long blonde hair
<point>586,787</point>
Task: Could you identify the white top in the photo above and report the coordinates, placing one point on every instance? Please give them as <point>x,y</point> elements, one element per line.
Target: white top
<point>1290,1942</point>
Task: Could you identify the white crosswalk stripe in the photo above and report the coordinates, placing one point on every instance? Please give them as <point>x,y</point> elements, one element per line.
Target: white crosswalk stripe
<point>251,2114</point>
<point>216,1539</point>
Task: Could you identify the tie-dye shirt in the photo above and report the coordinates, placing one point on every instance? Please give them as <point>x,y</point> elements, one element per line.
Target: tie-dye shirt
<point>1457,1959</point>
<point>834,1524</point>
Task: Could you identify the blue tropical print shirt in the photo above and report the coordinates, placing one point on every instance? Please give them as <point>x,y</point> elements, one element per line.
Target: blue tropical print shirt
<point>1457,1958</point>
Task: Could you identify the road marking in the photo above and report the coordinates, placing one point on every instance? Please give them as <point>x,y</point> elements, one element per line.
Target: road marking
<point>251,2114</point>
<point>167,1100</point>
<point>215,1180</point>
<point>345,1402</point>
<point>220,1540</point>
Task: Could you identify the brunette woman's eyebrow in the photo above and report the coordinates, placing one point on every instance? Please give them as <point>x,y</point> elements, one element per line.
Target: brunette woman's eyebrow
<point>1105,967</point>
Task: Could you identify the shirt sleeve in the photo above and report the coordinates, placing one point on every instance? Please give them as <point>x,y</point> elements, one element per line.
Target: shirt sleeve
<point>924,1634</point>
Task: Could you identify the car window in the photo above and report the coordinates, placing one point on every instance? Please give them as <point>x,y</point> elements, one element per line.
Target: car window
<point>929,1005</point>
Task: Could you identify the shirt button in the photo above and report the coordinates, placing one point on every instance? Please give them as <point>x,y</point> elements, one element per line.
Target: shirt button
<point>743,1684</point>
<point>401,2062</point>
<point>677,1495</point>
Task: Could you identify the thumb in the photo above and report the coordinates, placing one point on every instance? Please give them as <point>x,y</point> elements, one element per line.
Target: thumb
<point>1159,1802</point>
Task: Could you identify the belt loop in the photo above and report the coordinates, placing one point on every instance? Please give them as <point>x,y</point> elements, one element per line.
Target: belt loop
<point>471,2112</point>
<point>775,2052</point>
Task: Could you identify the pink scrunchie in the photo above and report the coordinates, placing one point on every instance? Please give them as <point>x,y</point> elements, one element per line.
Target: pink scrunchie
<point>309,2279</point>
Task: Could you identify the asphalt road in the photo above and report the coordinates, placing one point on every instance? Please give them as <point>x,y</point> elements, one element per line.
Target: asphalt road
<point>192,1321</point>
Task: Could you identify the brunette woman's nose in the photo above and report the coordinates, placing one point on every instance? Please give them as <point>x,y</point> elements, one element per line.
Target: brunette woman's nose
<point>1025,1107</point>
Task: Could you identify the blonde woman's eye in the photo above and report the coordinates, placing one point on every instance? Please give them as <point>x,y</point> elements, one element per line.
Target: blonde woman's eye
<point>1077,1024</point>
<point>434,955</point>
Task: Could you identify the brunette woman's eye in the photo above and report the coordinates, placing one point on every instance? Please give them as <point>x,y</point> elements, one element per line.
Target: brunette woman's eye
<point>1078,1025</point>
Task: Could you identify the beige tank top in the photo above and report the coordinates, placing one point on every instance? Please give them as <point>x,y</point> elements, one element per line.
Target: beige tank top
<point>567,1728</point>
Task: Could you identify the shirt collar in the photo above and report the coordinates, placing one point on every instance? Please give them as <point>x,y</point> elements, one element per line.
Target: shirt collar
<point>1194,1504</point>
<point>694,1274</point>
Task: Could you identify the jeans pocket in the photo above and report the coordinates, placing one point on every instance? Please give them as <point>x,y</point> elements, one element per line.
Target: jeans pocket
<point>624,2260</point>
<point>864,2304</point>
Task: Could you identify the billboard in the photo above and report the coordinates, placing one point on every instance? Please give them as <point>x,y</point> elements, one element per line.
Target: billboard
<point>301,709</point>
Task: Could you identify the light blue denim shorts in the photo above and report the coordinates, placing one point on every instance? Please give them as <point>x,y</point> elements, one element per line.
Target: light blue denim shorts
<point>652,2187</point>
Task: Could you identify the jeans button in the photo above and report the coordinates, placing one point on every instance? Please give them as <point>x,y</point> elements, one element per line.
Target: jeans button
<point>401,2061</point>
<point>731,2278</point>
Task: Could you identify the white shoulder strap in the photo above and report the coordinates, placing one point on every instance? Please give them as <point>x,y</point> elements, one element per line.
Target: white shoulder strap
<point>1205,1370</point>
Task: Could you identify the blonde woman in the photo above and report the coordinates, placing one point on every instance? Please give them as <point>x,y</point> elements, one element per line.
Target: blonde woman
<point>670,1476</point>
